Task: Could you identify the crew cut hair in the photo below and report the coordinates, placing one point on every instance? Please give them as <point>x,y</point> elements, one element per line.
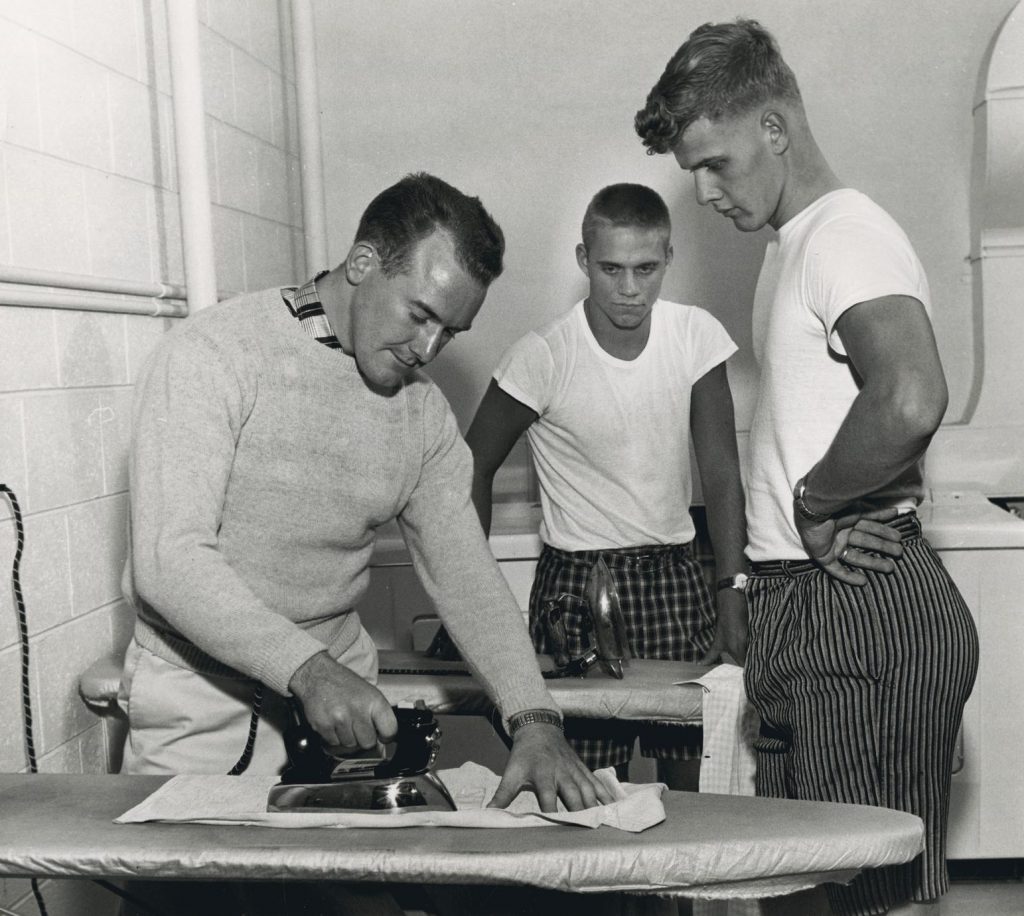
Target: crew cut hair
<point>721,70</point>
<point>626,205</point>
<point>402,215</point>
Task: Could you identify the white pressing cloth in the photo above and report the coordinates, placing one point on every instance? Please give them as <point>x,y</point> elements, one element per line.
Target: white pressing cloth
<point>730,726</point>
<point>243,800</point>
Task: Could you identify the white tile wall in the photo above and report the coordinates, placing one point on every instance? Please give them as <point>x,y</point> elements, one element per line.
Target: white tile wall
<point>108,31</point>
<point>88,185</point>
<point>46,212</point>
<point>218,75</point>
<point>264,32</point>
<point>237,171</point>
<point>141,334</point>
<point>267,248</point>
<point>62,442</point>
<point>136,141</point>
<point>27,349</point>
<point>12,742</point>
<point>46,572</point>
<point>252,96</point>
<point>231,19</point>
<point>8,624</point>
<point>5,233</point>
<point>12,455</point>
<point>74,106</point>
<point>227,249</point>
<point>91,349</point>
<point>118,226</point>
<point>115,426</point>
<point>98,543</point>
<point>53,18</point>
<point>19,80</point>
<point>60,656</point>
<point>273,183</point>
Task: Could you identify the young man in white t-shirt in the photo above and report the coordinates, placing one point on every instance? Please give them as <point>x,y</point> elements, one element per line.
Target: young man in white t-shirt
<point>608,395</point>
<point>862,651</point>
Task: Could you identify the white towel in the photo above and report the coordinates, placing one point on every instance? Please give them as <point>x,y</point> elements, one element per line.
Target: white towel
<point>727,767</point>
<point>243,800</point>
<point>730,726</point>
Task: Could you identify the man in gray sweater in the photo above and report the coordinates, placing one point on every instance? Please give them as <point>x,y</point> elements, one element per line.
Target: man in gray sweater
<point>273,434</point>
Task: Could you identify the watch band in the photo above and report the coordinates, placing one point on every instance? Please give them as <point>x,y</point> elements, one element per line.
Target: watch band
<point>529,716</point>
<point>802,508</point>
<point>737,581</point>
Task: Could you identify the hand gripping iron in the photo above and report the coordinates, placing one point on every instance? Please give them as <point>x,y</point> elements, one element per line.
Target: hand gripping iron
<point>318,780</point>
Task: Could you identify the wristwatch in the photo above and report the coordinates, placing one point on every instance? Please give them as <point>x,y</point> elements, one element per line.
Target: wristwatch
<point>738,582</point>
<point>802,508</point>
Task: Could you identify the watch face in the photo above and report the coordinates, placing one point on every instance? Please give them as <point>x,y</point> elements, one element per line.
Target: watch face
<point>739,581</point>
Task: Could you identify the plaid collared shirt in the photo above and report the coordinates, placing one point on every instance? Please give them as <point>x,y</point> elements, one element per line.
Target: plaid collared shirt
<point>304,303</point>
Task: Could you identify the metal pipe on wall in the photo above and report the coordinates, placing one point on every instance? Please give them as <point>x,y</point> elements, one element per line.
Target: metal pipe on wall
<point>30,277</point>
<point>190,148</point>
<point>83,301</point>
<point>314,214</point>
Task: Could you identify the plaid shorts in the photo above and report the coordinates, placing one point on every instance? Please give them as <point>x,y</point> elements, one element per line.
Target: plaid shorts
<point>669,614</point>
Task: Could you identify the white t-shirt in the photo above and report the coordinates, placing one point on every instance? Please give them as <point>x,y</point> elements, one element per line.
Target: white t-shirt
<point>611,444</point>
<point>841,250</point>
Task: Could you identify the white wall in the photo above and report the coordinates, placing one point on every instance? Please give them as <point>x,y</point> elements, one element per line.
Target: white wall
<point>530,105</point>
<point>88,185</point>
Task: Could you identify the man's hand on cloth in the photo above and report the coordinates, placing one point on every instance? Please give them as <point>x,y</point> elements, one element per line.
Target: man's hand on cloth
<point>542,762</point>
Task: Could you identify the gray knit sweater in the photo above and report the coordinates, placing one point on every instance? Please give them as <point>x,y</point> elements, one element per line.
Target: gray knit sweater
<point>261,466</point>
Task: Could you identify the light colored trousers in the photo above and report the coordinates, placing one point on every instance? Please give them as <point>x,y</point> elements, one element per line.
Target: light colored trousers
<point>180,721</point>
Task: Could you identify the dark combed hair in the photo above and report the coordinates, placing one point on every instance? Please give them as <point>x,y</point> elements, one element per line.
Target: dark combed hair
<point>401,216</point>
<point>626,205</point>
<point>721,70</point>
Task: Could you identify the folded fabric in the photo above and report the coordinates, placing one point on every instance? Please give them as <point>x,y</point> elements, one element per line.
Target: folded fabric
<point>243,800</point>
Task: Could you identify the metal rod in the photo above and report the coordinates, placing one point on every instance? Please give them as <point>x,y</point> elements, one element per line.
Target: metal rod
<point>190,148</point>
<point>91,302</point>
<point>27,275</point>
<point>314,215</point>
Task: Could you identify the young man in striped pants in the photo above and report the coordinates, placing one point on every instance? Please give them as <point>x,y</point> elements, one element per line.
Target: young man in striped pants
<point>862,652</point>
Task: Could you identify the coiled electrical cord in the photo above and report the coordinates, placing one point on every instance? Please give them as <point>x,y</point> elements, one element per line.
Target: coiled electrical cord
<point>26,693</point>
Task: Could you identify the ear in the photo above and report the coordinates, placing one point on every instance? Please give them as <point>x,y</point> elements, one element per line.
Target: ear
<point>776,128</point>
<point>361,261</point>
<point>669,252</point>
<point>581,258</point>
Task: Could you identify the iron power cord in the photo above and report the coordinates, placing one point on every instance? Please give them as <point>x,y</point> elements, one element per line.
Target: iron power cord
<point>26,693</point>
<point>26,697</point>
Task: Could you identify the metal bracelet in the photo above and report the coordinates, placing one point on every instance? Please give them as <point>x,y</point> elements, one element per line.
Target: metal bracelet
<point>802,508</point>
<point>529,716</point>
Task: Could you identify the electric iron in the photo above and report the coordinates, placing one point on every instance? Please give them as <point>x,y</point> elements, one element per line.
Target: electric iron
<point>371,782</point>
<point>603,616</point>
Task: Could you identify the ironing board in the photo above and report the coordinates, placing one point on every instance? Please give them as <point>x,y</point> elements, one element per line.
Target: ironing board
<point>646,691</point>
<point>709,845</point>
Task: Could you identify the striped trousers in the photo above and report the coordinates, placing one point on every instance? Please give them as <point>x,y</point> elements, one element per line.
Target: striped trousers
<point>861,693</point>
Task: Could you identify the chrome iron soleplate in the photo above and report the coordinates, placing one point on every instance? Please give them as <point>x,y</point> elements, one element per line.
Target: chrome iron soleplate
<point>393,795</point>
